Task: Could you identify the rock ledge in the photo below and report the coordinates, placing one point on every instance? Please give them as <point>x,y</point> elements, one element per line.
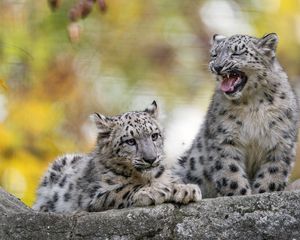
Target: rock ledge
<point>265,216</point>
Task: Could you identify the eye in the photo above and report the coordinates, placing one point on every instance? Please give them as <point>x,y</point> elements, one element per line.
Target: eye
<point>236,53</point>
<point>213,55</point>
<point>154,136</point>
<point>131,142</point>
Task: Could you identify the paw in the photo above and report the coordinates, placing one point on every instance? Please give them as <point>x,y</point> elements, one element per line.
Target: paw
<point>262,187</point>
<point>143,198</point>
<point>153,196</point>
<point>270,179</point>
<point>233,186</point>
<point>186,193</point>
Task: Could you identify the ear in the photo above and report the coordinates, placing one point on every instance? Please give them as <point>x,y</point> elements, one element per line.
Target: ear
<point>102,122</point>
<point>268,44</point>
<point>152,110</point>
<point>217,38</point>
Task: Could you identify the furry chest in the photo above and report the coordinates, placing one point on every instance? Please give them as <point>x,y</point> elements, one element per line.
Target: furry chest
<point>254,130</point>
<point>257,127</point>
<point>257,136</point>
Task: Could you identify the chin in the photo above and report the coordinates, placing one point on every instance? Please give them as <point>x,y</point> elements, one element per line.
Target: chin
<point>148,172</point>
<point>146,169</point>
<point>232,83</point>
<point>234,96</point>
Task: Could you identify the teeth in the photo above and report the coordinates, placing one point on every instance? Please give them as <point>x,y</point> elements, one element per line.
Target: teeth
<point>237,81</point>
<point>228,75</point>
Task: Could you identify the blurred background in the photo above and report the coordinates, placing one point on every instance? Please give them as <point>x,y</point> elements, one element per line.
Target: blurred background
<point>121,57</point>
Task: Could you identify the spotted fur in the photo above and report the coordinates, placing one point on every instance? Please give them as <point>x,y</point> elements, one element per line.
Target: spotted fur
<point>125,169</point>
<point>247,143</point>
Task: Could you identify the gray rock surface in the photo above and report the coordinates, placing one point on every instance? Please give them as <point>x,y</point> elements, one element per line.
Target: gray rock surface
<point>10,204</point>
<point>265,216</point>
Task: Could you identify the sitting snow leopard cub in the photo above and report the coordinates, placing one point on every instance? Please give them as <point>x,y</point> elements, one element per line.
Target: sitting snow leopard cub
<point>125,169</point>
<point>247,143</point>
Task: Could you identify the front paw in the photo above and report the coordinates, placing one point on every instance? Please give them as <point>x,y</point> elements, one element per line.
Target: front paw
<point>143,198</point>
<point>153,196</point>
<point>267,186</point>
<point>185,193</point>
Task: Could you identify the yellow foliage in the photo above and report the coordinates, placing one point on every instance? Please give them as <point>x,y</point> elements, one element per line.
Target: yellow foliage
<point>125,13</point>
<point>7,137</point>
<point>3,85</point>
<point>35,116</point>
<point>20,175</point>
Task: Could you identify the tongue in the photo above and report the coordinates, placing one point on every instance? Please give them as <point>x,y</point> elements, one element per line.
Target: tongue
<point>227,84</point>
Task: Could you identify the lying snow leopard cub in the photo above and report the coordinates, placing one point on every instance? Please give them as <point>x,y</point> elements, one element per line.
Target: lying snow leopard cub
<point>125,169</point>
<point>247,143</point>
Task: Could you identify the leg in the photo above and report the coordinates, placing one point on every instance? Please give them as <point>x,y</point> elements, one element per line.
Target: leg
<point>273,175</point>
<point>138,195</point>
<point>119,197</point>
<point>270,177</point>
<point>231,179</point>
<point>226,170</point>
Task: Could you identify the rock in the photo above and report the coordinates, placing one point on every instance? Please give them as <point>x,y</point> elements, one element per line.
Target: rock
<point>10,204</point>
<point>264,216</point>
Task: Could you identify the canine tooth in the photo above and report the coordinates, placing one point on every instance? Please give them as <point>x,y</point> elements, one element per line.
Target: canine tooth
<point>238,81</point>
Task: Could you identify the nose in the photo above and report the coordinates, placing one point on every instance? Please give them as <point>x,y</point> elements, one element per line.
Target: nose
<point>149,160</point>
<point>218,68</point>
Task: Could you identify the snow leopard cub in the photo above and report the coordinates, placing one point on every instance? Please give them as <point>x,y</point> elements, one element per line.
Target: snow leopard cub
<point>125,169</point>
<point>247,143</point>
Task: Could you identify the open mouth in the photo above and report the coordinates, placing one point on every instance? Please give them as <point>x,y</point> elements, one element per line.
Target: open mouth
<point>233,82</point>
